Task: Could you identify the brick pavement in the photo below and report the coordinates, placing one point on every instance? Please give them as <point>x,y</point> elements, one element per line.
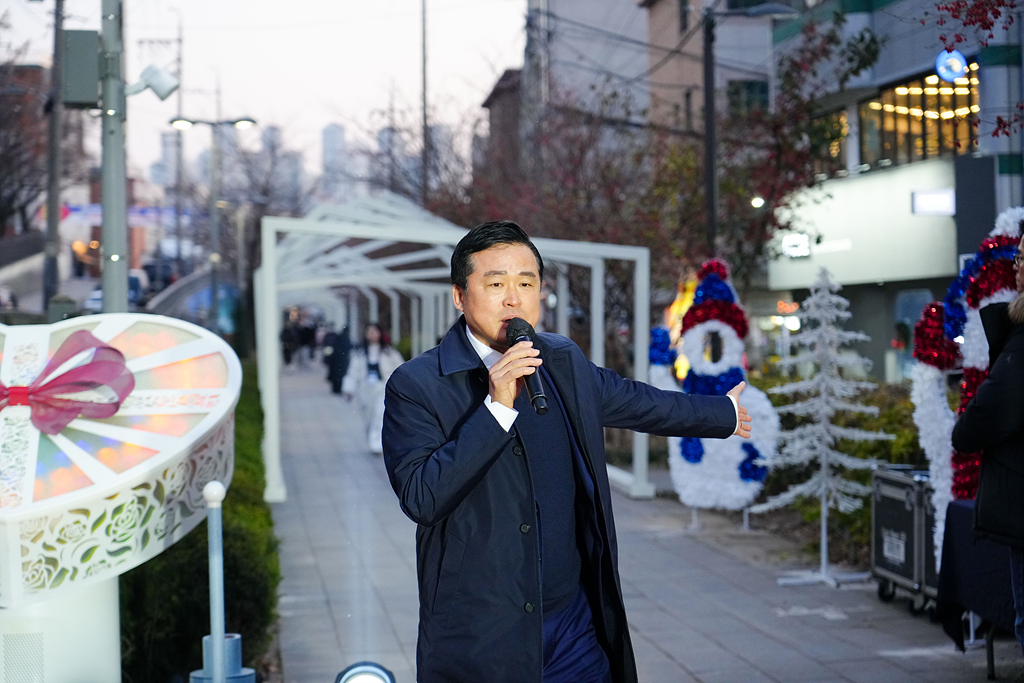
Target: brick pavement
<point>698,612</point>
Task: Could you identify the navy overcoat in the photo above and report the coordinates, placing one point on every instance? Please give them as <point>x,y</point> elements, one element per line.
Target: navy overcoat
<point>993,422</point>
<point>465,481</point>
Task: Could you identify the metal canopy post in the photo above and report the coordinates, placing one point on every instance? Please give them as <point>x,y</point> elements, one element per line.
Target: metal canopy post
<point>429,321</point>
<point>374,304</point>
<point>416,325</point>
<point>562,305</point>
<point>640,486</point>
<point>396,319</point>
<point>597,313</point>
<point>267,354</point>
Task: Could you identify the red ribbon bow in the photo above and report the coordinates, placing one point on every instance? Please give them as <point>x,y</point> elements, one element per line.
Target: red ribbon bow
<point>94,387</point>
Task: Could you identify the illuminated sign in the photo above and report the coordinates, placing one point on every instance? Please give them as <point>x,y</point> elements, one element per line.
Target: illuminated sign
<point>940,202</point>
<point>796,245</point>
<point>950,65</point>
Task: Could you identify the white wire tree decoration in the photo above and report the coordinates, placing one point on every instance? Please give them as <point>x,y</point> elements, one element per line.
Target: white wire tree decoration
<point>826,393</point>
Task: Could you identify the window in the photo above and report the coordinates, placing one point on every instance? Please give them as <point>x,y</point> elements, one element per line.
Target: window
<point>923,118</point>
<point>746,96</point>
<point>684,15</point>
<point>906,312</point>
<point>689,109</point>
<point>828,138</point>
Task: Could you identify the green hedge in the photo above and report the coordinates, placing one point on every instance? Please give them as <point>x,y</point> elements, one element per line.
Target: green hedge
<point>165,603</point>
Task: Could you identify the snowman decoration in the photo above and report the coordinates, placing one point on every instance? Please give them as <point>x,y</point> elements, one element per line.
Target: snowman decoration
<point>721,473</point>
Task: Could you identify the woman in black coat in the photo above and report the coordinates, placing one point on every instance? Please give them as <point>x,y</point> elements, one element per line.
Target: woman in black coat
<point>994,424</point>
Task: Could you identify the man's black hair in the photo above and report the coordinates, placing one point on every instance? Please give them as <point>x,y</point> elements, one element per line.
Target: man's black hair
<point>483,237</point>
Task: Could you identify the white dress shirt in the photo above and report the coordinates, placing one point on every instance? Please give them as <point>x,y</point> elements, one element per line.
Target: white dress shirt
<point>503,414</point>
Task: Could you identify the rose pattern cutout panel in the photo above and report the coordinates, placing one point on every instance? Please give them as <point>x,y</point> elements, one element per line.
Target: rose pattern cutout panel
<point>85,498</point>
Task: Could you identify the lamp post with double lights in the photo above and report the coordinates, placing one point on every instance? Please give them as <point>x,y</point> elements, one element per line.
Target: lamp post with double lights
<point>181,123</point>
<point>771,10</point>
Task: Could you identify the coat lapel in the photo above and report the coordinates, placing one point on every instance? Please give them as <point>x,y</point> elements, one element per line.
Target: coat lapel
<point>456,354</point>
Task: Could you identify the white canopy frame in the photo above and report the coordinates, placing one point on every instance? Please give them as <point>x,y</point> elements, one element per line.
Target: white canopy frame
<point>300,263</point>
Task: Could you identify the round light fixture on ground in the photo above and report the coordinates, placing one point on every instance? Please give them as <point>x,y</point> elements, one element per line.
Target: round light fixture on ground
<point>757,202</point>
<point>365,672</point>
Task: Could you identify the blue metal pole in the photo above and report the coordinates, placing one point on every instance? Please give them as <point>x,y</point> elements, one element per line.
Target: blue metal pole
<point>214,494</point>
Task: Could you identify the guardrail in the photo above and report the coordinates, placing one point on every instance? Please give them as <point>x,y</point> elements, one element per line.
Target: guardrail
<point>18,247</point>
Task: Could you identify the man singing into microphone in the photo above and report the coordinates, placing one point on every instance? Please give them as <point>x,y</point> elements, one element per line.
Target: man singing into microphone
<point>516,549</point>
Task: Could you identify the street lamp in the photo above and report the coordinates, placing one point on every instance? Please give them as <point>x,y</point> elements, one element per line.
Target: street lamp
<point>772,10</point>
<point>181,123</point>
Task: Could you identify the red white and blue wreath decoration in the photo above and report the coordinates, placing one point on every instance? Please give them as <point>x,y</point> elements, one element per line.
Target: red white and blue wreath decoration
<point>950,336</point>
<point>716,473</point>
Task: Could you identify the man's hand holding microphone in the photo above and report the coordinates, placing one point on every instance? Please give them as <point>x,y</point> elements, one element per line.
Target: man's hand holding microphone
<point>516,367</point>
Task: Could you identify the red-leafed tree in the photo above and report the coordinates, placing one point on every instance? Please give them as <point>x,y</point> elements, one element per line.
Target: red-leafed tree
<point>782,155</point>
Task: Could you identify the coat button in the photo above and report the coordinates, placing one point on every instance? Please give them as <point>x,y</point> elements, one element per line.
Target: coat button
<point>518,450</point>
<point>528,607</point>
<point>525,528</point>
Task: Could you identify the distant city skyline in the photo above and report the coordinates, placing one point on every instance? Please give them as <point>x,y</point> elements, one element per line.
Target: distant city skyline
<point>299,67</point>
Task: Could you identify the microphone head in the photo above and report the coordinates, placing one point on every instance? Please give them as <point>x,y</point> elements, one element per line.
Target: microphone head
<point>518,330</point>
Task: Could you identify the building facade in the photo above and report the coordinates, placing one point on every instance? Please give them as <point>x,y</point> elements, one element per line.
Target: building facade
<point>920,177</point>
<point>742,50</point>
<point>334,156</point>
<point>577,53</point>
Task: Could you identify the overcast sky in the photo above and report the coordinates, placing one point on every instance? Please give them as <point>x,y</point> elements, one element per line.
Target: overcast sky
<point>298,64</point>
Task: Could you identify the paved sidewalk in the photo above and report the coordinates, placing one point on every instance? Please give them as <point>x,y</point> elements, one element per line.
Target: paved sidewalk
<point>78,289</point>
<point>700,610</point>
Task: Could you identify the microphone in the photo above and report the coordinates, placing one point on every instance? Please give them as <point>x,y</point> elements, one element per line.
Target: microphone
<point>519,330</point>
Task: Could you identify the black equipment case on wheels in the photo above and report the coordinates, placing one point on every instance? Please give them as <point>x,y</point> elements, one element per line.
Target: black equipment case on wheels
<point>902,544</point>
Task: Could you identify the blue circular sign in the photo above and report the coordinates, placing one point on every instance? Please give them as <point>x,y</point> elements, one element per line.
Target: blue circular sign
<point>951,65</point>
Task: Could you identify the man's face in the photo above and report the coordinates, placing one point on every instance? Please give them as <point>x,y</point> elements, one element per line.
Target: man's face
<point>1018,270</point>
<point>504,284</point>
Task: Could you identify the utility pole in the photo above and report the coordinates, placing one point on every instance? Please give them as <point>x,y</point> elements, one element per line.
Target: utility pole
<point>179,161</point>
<point>51,277</point>
<point>114,244</point>
<point>392,172</point>
<point>215,152</point>
<point>545,57</point>
<point>425,161</point>
<point>710,142</point>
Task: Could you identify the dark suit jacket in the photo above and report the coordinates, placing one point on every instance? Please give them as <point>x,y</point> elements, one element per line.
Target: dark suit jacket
<point>465,481</point>
<point>993,422</point>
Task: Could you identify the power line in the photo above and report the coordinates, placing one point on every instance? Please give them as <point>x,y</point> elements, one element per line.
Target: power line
<point>669,52</point>
<point>617,36</point>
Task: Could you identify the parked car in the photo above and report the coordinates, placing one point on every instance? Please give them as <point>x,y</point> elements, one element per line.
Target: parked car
<point>138,287</point>
<point>94,304</point>
<point>8,300</point>
<point>160,272</point>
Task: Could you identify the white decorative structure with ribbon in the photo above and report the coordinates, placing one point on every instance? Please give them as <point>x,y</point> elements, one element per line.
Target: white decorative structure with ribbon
<point>110,426</point>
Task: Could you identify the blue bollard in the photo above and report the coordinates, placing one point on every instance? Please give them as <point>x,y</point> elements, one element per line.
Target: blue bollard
<point>222,653</point>
<point>233,669</point>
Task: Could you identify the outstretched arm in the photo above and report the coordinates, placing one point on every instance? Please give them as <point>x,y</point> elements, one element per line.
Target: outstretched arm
<point>628,404</point>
